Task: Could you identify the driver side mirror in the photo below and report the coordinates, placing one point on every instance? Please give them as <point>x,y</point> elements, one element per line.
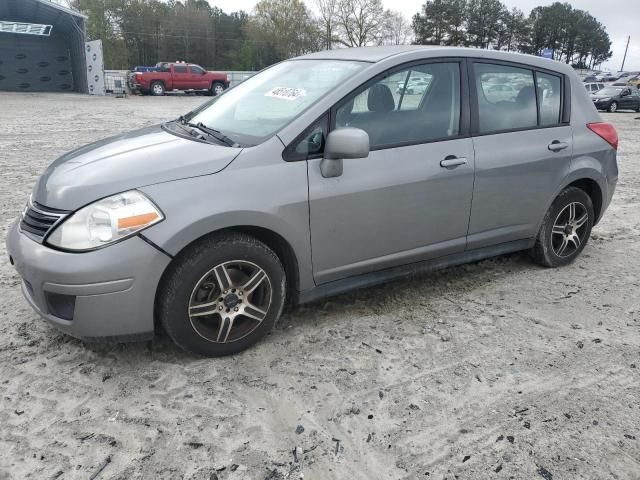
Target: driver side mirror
<point>343,143</point>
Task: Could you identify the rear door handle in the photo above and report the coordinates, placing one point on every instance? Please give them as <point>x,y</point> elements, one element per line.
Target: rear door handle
<point>557,145</point>
<point>452,161</point>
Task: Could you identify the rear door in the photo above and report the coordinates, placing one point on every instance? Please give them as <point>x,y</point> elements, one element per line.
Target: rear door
<point>523,150</point>
<point>181,77</point>
<point>409,200</point>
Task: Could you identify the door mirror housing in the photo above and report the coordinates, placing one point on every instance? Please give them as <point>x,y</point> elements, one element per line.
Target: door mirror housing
<point>343,143</point>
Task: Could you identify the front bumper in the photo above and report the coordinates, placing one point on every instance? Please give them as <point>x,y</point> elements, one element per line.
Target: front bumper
<point>106,293</point>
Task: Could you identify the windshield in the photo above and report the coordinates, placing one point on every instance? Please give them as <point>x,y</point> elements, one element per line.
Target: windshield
<point>263,104</point>
<point>610,91</point>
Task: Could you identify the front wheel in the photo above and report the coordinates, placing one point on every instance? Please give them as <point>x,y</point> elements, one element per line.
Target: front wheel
<point>565,229</point>
<point>613,107</point>
<point>222,295</point>
<point>217,88</point>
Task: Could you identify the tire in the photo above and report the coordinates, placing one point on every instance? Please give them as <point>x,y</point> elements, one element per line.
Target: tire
<point>548,250</point>
<point>217,88</point>
<point>613,108</point>
<point>157,88</point>
<point>198,313</point>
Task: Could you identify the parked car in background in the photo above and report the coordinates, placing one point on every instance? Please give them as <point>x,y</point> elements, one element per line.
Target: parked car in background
<point>613,99</point>
<point>310,179</point>
<point>590,79</point>
<point>413,86</point>
<point>143,68</point>
<point>501,92</point>
<point>593,87</point>
<point>606,77</point>
<point>634,81</point>
<point>186,77</point>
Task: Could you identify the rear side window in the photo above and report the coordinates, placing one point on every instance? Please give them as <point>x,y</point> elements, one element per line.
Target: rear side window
<point>180,69</point>
<point>415,105</point>
<point>506,98</point>
<point>549,98</point>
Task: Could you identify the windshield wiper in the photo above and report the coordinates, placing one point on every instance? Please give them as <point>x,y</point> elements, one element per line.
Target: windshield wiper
<point>212,132</point>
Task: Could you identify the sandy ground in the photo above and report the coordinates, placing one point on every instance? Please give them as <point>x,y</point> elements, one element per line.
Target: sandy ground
<point>498,369</point>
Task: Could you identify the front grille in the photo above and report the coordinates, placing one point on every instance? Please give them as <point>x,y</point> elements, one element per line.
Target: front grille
<point>37,220</point>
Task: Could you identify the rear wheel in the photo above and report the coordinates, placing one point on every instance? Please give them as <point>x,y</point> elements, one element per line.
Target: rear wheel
<point>613,107</point>
<point>565,229</point>
<point>222,295</point>
<point>157,88</point>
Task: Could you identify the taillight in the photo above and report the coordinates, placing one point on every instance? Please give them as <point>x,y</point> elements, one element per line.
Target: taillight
<point>606,131</point>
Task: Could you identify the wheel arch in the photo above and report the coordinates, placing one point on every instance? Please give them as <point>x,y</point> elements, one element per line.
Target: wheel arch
<point>589,179</point>
<point>591,188</point>
<point>270,238</point>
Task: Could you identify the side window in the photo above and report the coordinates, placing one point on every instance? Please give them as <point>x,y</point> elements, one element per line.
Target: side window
<point>310,143</point>
<point>548,98</point>
<point>505,109</point>
<point>180,69</point>
<point>415,105</point>
<point>196,69</point>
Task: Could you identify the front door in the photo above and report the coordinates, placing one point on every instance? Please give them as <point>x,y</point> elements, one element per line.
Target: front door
<point>410,199</point>
<point>523,152</point>
<point>629,100</point>
<point>198,78</point>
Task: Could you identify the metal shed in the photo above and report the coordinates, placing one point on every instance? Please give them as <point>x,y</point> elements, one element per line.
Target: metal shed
<point>42,47</point>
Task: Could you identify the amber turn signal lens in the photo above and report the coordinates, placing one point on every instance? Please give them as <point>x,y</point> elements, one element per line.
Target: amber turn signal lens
<point>137,220</point>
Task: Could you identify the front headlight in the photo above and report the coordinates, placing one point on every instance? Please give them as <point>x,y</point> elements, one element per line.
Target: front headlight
<point>106,221</point>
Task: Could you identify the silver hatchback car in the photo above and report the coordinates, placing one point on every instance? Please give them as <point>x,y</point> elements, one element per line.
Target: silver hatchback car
<point>316,176</point>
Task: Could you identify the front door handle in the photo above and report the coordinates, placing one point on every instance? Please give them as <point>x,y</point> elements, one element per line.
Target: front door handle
<point>452,162</point>
<point>557,145</point>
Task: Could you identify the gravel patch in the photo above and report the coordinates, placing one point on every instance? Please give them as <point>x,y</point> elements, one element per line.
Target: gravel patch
<point>497,369</point>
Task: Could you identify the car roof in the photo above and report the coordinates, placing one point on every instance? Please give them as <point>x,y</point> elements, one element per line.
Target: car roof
<point>378,54</point>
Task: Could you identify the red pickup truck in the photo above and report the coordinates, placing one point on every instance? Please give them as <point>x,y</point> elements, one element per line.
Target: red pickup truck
<point>179,76</point>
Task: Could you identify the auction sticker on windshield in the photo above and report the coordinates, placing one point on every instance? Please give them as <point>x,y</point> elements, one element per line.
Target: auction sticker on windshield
<point>286,93</point>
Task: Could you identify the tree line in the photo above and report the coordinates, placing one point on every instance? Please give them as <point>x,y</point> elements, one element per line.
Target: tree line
<point>573,36</point>
<point>143,32</point>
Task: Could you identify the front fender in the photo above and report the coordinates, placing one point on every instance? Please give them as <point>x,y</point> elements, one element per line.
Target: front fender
<point>272,197</point>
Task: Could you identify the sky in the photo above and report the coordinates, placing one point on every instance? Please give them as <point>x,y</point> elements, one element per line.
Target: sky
<point>620,17</point>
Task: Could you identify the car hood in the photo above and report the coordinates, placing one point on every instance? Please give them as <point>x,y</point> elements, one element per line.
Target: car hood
<point>135,159</point>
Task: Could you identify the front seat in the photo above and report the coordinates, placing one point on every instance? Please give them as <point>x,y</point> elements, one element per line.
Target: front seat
<point>380,103</point>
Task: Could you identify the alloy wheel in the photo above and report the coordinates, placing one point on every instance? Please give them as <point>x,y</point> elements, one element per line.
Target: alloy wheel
<point>230,301</point>
<point>218,89</point>
<point>569,229</point>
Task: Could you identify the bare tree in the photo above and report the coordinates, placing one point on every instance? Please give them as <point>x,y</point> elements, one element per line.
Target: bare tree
<point>396,29</point>
<point>360,22</point>
<point>328,10</point>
